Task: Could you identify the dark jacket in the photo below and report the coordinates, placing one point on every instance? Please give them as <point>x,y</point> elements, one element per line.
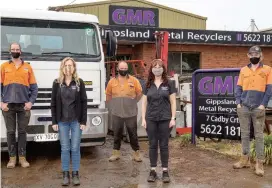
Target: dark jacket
<point>81,103</point>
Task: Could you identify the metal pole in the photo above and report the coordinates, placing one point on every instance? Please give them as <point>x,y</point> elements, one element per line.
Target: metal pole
<point>252,25</point>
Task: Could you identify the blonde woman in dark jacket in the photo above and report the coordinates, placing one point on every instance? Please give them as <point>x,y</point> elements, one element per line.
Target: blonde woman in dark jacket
<point>69,113</point>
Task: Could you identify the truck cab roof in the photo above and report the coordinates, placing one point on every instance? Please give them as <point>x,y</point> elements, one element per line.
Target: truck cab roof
<point>48,15</point>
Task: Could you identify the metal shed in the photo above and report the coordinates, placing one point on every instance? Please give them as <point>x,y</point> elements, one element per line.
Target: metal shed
<point>168,17</point>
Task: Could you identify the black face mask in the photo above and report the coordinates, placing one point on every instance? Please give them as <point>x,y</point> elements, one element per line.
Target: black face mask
<point>123,72</point>
<point>15,55</point>
<point>255,60</point>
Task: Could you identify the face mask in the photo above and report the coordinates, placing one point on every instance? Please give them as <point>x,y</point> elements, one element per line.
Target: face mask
<point>15,55</point>
<point>255,60</point>
<point>157,71</point>
<point>123,72</point>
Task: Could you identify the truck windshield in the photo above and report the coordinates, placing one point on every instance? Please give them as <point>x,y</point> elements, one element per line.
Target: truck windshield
<point>49,39</point>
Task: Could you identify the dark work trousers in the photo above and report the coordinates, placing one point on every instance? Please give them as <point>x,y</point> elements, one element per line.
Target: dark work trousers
<point>158,132</point>
<point>118,128</point>
<point>10,121</point>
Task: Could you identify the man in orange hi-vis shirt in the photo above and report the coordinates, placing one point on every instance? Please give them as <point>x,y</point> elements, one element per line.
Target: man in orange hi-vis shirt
<point>123,92</point>
<point>18,93</point>
<point>253,91</point>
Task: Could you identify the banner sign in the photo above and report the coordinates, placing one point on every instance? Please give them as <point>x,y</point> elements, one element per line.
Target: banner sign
<point>133,16</point>
<point>214,105</point>
<point>183,36</point>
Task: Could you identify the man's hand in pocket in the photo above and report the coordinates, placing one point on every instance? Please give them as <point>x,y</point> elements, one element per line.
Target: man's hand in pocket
<point>261,107</point>
<point>4,106</point>
<point>28,106</point>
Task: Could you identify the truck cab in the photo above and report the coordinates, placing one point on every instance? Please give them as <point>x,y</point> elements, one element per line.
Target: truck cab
<point>47,37</point>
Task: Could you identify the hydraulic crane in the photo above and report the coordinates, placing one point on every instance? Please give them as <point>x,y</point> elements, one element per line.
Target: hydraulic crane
<point>138,66</point>
<point>161,44</point>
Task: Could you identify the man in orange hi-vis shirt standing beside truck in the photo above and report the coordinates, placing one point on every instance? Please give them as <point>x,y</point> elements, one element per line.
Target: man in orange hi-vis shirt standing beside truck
<point>18,93</point>
<point>253,91</point>
<point>123,92</point>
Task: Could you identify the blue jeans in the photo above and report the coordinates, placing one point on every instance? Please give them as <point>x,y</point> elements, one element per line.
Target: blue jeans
<point>67,145</point>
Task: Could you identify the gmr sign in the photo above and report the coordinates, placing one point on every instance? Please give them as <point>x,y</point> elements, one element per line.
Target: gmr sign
<point>217,85</point>
<point>133,16</point>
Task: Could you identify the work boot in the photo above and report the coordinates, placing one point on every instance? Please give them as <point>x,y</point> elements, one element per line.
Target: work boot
<point>115,155</point>
<point>152,176</point>
<point>12,162</point>
<point>23,162</point>
<point>244,162</point>
<point>66,178</point>
<point>165,176</point>
<point>136,156</point>
<point>75,178</point>
<point>259,169</point>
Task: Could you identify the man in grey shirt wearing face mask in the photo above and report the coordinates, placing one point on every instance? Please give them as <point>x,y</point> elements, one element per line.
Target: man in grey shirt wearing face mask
<point>123,92</point>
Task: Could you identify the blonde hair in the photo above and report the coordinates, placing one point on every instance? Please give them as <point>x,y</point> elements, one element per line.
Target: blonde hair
<point>62,75</point>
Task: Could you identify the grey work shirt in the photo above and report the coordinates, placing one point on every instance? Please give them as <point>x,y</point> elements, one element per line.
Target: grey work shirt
<point>158,101</point>
<point>68,102</point>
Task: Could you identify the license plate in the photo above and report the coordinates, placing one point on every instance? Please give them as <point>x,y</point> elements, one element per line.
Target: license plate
<point>46,137</point>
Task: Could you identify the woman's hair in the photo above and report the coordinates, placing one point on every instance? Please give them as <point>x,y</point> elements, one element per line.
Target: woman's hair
<point>62,75</point>
<point>151,76</point>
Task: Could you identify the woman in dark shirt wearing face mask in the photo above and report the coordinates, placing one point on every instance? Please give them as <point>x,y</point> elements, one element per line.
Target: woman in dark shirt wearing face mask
<point>158,116</point>
<point>69,113</point>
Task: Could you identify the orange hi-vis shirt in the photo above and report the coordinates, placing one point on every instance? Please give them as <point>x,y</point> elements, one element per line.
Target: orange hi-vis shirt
<point>254,88</point>
<point>18,85</point>
<point>123,101</point>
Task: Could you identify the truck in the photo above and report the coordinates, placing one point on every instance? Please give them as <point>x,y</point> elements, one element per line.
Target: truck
<point>46,37</point>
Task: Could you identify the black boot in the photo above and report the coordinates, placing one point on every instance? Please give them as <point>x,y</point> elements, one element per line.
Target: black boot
<point>165,176</point>
<point>66,178</point>
<point>152,176</point>
<point>75,178</point>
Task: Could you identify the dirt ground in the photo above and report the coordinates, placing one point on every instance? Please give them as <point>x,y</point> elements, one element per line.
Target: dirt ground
<point>189,167</point>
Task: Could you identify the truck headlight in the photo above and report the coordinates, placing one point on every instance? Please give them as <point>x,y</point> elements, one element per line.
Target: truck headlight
<point>96,120</point>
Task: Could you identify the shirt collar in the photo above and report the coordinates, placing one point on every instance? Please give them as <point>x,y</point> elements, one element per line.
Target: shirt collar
<point>250,65</point>
<point>72,81</point>
<point>10,61</point>
<point>118,75</point>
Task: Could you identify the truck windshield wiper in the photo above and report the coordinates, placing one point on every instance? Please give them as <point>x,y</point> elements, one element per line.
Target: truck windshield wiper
<point>70,53</point>
<point>23,53</point>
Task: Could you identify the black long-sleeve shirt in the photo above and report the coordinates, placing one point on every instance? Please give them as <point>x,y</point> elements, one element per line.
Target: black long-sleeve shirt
<point>60,103</point>
<point>68,102</point>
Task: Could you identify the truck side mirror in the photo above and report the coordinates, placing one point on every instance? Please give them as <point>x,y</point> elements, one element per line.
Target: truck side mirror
<point>111,41</point>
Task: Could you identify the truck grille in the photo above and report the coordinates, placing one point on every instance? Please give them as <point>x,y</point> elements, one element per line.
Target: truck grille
<point>44,99</point>
<point>39,129</point>
<point>35,129</point>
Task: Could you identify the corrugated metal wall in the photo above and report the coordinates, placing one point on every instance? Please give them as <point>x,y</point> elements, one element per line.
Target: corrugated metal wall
<point>267,31</point>
<point>167,18</point>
